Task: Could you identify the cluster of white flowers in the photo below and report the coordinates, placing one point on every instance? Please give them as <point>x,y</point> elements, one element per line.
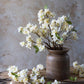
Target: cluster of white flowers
<point>35,75</point>
<point>42,14</point>
<point>13,69</point>
<point>39,44</point>
<point>50,32</point>
<point>61,30</point>
<point>79,69</point>
<point>74,35</point>
<point>22,76</point>
<point>33,78</point>
<point>18,76</point>
<point>30,28</point>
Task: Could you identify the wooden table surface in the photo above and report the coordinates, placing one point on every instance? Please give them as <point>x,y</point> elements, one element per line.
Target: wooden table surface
<point>4,79</point>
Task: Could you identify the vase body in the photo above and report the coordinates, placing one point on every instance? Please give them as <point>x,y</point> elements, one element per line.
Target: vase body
<point>58,64</point>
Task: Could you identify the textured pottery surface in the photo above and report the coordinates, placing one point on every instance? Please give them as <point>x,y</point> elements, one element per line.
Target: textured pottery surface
<point>58,64</point>
<point>15,13</point>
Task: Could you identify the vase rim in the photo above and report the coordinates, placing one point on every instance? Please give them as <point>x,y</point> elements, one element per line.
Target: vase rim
<point>59,51</point>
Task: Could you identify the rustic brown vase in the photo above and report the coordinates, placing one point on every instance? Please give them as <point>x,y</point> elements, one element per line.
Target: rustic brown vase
<point>58,64</point>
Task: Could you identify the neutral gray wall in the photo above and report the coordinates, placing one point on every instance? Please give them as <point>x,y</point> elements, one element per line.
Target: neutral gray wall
<point>15,13</point>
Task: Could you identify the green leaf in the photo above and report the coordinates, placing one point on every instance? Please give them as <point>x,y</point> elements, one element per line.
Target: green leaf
<point>20,31</point>
<point>61,39</point>
<point>45,7</point>
<point>49,82</point>
<point>73,78</point>
<point>37,49</point>
<point>14,74</point>
<point>57,36</point>
<point>69,22</point>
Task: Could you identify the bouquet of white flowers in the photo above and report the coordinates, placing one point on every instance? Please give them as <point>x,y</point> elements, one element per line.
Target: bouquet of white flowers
<point>51,34</point>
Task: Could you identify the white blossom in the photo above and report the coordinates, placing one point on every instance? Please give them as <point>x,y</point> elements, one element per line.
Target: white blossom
<point>41,16</point>
<point>64,35</point>
<point>60,42</point>
<point>63,18</point>
<point>53,24</point>
<point>9,74</point>
<point>74,35</point>
<point>28,38</point>
<point>40,21</point>
<point>81,70</point>
<point>23,73</point>
<point>49,13</point>
<point>46,11</point>
<point>41,47</point>
<point>47,21</point>
<point>29,45</point>
<point>22,44</point>
<point>29,25</point>
<point>12,69</point>
<point>39,41</point>
<point>20,29</point>
<point>60,20</point>
<point>55,82</point>
<point>25,31</point>
<point>33,28</point>
<point>25,80</point>
<point>14,78</point>
<point>82,66</point>
<point>20,79</point>
<point>54,38</point>
<point>42,80</point>
<point>54,31</point>
<point>70,28</point>
<point>35,70</point>
<point>40,67</point>
<point>41,13</point>
<point>75,64</point>
<point>34,78</point>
